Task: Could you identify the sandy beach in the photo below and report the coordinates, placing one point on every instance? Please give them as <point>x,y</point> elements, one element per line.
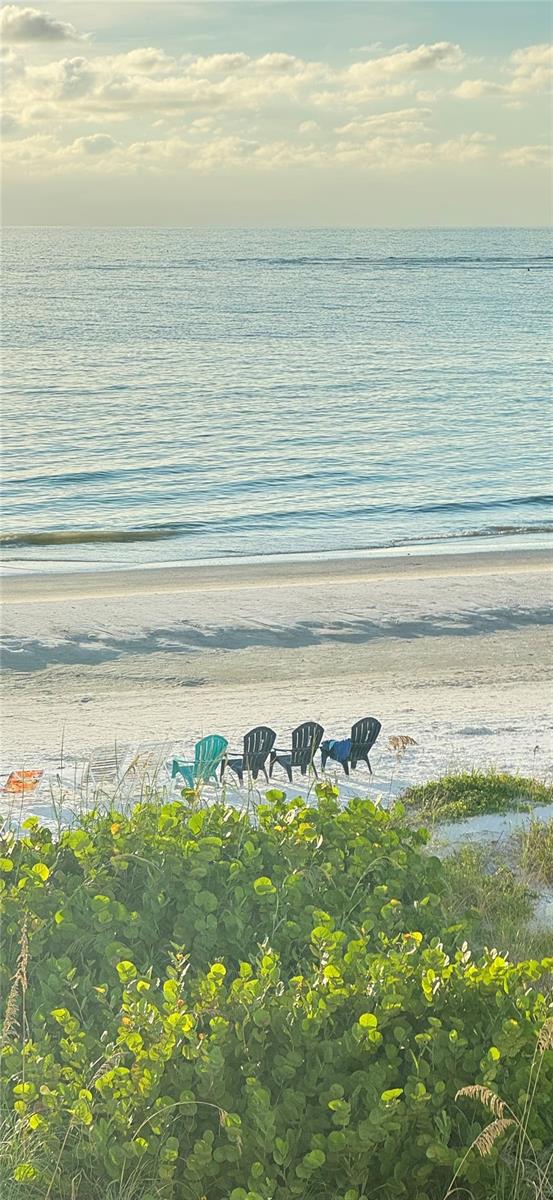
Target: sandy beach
<point>453,650</point>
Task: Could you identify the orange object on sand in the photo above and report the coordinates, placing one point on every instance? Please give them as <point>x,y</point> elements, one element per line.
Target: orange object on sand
<point>22,781</point>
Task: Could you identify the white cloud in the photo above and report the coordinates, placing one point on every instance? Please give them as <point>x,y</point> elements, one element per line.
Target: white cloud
<point>202,125</point>
<point>528,156</point>
<point>10,126</point>
<point>36,152</point>
<point>532,68</point>
<point>34,25</point>
<point>404,120</point>
<point>94,144</point>
<point>370,49</point>
<point>217,64</point>
<point>443,56</point>
<point>472,89</point>
<point>220,112</point>
<point>395,74</point>
<point>530,72</point>
<point>428,96</point>
<point>147,60</point>
<point>398,153</point>
<point>13,66</point>
<point>151,82</point>
<point>466,148</point>
<point>220,152</point>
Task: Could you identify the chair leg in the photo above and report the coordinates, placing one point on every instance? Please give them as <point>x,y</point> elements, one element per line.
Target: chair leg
<point>289,773</point>
<point>345,765</point>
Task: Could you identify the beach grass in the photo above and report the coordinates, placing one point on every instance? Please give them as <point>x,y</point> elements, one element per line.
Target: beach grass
<point>463,794</point>
<point>490,890</point>
<point>535,851</point>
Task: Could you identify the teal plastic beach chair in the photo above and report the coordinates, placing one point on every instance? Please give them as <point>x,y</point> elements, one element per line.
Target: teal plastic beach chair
<point>209,752</point>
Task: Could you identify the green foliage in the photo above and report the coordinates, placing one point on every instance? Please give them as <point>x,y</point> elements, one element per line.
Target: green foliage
<point>471,793</point>
<point>535,848</point>
<point>483,886</point>
<point>198,1004</point>
<point>484,891</point>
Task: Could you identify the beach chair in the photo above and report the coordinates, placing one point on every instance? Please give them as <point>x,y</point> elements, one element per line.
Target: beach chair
<point>105,769</point>
<point>106,763</point>
<point>306,740</point>
<point>354,749</point>
<point>258,744</point>
<point>208,755</point>
<point>146,768</point>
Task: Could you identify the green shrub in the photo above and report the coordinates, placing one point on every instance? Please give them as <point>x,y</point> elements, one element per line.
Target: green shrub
<point>202,1005</point>
<point>471,793</point>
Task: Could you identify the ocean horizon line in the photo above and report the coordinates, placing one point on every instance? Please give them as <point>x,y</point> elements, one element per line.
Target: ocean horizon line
<point>285,228</point>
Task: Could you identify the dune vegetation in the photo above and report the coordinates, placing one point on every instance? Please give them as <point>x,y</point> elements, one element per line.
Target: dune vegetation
<point>472,793</point>
<point>202,1003</point>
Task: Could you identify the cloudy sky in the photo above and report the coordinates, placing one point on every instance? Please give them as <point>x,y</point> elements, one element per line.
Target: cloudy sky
<point>307,112</point>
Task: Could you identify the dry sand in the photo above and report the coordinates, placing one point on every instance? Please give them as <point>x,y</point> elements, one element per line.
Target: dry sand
<point>451,649</point>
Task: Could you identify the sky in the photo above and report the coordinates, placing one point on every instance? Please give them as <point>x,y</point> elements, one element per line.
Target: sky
<point>290,112</point>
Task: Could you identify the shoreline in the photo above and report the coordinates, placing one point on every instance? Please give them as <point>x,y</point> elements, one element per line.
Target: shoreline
<point>135,581</point>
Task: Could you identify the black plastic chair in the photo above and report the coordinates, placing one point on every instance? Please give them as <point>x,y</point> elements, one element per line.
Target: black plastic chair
<point>306,740</point>
<point>363,736</point>
<point>258,744</point>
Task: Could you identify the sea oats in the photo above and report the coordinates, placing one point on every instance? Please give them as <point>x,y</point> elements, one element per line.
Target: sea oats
<point>545,1039</point>
<point>485,1141</point>
<point>490,1100</point>
<point>19,983</point>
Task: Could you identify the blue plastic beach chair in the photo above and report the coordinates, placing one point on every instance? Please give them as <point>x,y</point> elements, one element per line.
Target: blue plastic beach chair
<point>209,752</point>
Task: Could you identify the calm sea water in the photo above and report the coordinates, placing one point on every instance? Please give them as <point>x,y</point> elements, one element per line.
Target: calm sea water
<point>175,394</point>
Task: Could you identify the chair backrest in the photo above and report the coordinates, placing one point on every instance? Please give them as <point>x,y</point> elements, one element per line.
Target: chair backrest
<point>106,762</point>
<point>258,744</point>
<point>364,734</point>
<point>208,753</point>
<point>306,740</point>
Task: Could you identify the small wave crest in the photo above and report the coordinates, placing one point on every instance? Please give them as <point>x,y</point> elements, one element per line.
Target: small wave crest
<point>391,261</point>
<point>83,537</point>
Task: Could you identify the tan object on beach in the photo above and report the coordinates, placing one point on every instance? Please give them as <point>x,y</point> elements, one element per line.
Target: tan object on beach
<point>22,781</point>
<point>400,741</point>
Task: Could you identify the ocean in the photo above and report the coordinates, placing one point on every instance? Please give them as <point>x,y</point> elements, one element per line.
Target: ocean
<point>175,395</point>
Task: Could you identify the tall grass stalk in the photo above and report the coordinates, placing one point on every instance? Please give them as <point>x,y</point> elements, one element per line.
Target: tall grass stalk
<point>507,1120</point>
